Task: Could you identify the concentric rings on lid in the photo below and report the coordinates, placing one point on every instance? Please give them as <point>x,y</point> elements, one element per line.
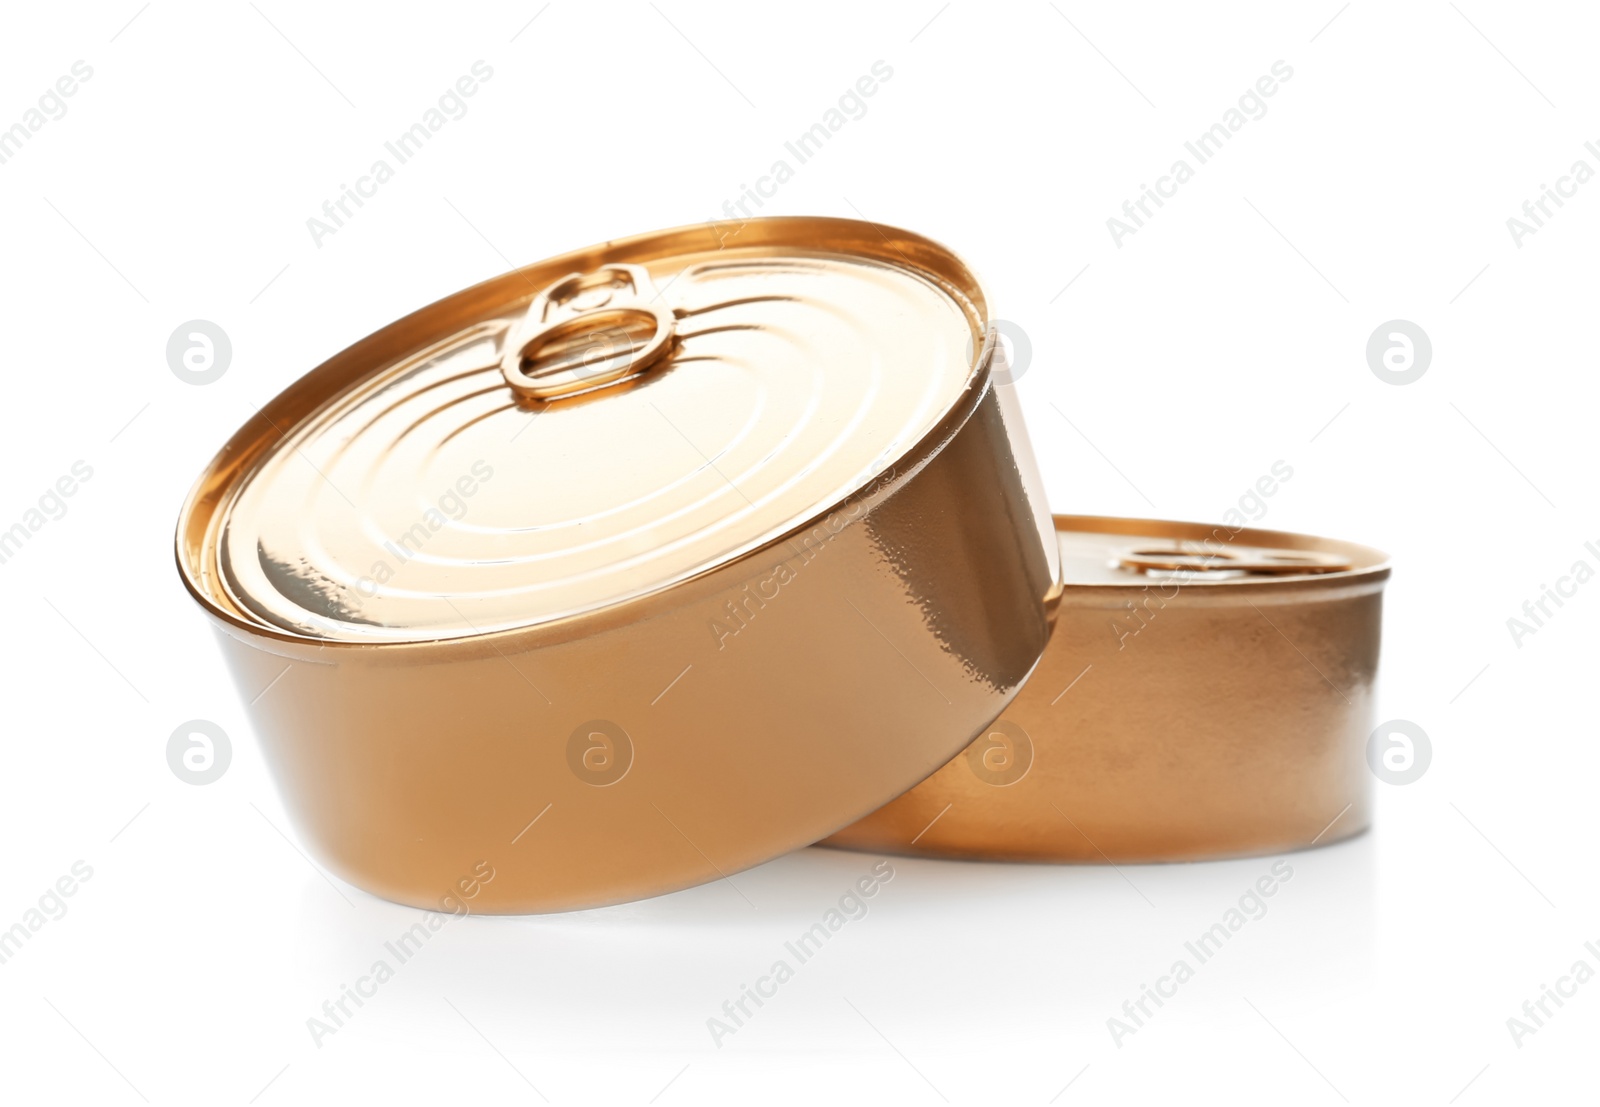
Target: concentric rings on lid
<point>596,439</point>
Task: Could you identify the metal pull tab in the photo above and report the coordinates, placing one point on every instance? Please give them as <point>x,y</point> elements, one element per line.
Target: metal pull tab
<point>587,331</point>
<point>1256,560</point>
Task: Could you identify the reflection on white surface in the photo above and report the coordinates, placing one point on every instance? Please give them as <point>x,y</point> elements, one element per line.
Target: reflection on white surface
<point>944,957</point>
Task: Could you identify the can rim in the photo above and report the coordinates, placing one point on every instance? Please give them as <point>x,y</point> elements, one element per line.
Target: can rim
<point>325,382</point>
<point>1372,566</point>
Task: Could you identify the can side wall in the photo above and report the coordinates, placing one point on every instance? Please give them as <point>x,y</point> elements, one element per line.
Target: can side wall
<point>788,694</point>
<point>1214,729</point>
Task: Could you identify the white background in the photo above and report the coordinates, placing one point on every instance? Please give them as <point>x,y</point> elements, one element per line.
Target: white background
<point>1226,334</point>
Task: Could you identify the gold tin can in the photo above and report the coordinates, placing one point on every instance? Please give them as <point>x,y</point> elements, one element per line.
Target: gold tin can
<point>1208,692</point>
<point>631,569</point>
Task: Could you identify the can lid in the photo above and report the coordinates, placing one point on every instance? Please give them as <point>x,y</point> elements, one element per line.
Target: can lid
<point>590,430</point>
<point>1103,552</point>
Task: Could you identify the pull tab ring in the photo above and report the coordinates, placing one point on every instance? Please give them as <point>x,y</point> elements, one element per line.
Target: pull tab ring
<point>587,331</point>
<point>1258,561</point>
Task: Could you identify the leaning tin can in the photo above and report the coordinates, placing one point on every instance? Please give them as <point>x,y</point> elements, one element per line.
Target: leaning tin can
<point>631,569</point>
<point>1208,693</point>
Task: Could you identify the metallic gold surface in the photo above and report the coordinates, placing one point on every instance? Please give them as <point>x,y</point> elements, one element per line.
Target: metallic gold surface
<point>696,616</point>
<point>794,378</point>
<point>614,295</point>
<point>1177,714</point>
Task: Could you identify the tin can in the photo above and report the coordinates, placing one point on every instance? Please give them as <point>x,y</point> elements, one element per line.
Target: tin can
<point>631,569</point>
<point>1208,692</point>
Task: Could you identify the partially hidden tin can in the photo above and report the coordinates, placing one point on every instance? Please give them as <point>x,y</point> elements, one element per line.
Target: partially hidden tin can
<point>1208,692</point>
<point>631,569</point>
